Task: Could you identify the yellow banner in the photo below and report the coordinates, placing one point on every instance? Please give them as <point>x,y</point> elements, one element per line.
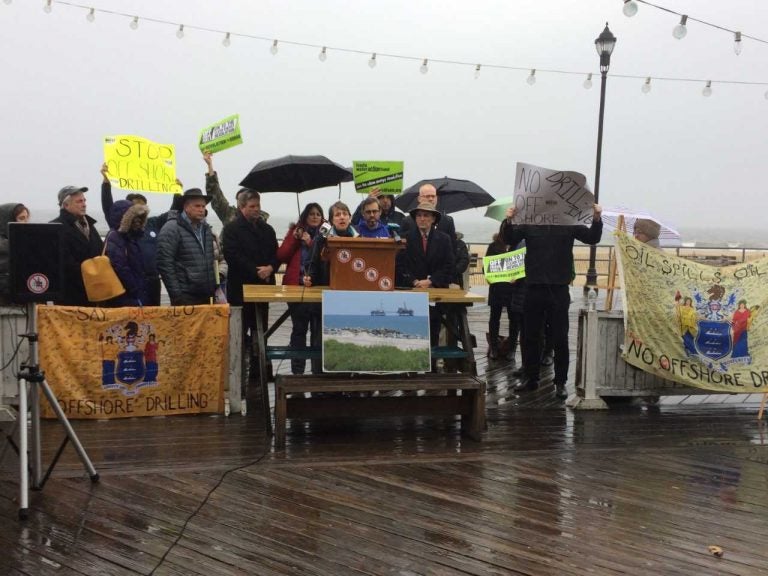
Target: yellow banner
<point>136,163</point>
<point>124,362</point>
<point>699,325</point>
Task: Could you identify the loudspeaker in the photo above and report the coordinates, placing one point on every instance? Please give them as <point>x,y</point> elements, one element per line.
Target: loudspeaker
<point>36,265</point>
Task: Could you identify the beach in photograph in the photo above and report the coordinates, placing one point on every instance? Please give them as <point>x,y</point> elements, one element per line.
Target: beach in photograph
<point>364,338</point>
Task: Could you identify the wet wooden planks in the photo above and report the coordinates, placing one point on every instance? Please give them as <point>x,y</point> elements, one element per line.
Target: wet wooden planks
<point>547,491</point>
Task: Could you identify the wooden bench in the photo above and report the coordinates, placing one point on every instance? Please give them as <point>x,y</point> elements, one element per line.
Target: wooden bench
<point>470,404</point>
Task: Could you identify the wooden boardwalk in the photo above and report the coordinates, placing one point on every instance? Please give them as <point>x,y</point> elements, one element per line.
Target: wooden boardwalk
<point>641,490</point>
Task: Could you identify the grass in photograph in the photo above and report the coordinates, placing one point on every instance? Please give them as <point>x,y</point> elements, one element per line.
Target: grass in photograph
<point>339,357</point>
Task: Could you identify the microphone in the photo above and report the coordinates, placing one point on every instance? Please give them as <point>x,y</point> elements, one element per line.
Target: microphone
<point>324,230</point>
<point>394,231</point>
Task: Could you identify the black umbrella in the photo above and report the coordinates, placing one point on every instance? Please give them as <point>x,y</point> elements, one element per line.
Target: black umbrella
<point>296,174</point>
<point>453,195</point>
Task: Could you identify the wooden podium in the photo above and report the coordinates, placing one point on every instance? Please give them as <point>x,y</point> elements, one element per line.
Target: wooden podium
<point>362,263</point>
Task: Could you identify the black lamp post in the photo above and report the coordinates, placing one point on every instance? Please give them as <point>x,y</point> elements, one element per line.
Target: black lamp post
<point>604,44</point>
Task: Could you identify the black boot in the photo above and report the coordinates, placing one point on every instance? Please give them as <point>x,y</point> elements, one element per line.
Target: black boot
<point>493,351</point>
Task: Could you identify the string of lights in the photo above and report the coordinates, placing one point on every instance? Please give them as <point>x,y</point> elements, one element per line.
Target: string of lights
<point>680,31</point>
<point>630,8</point>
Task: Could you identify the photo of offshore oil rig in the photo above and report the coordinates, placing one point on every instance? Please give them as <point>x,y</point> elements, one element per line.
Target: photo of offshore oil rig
<point>401,311</point>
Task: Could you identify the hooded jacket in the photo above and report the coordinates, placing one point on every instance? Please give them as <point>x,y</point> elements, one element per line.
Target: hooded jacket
<point>148,240</point>
<point>125,253</point>
<point>6,213</point>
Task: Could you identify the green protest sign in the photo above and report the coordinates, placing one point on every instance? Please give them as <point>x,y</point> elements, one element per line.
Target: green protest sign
<point>387,176</point>
<point>222,135</point>
<point>504,267</point>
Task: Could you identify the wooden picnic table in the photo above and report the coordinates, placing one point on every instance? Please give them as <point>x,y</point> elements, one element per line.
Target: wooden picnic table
<point>458,351</point>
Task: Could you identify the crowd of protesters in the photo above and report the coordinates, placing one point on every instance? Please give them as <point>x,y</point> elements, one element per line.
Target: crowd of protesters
<point>197,268</point>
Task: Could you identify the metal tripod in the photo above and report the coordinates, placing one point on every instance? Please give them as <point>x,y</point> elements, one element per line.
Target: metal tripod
<point>30,374</point>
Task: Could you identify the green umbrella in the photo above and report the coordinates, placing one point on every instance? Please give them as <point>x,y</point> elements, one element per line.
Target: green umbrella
<point>498,208</point>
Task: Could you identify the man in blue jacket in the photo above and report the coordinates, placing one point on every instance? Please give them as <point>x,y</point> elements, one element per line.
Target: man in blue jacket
<point>371,225</point>
<point>548,275</point>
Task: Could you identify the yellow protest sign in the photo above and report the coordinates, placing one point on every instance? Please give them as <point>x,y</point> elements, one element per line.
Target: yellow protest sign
<point>695,324</point>
<point>136,163</point>
<point>124,362</point>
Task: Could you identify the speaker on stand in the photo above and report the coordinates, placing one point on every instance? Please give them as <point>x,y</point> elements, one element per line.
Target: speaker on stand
<point>36,271</point>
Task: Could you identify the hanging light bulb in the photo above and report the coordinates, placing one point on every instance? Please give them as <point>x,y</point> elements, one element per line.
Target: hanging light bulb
<point>134,23</point>
<point>588,81</point>
<point>424,66</point>
<point>227,40</point>
<point>323,55</point>
<point>646,87</point>
<point>531,77</point>
<point>274,47</point>
<point>680,30</point>
<point>372,61</point>
<point>477,71</point>
<point>180,32</point>
<point>48,7</point>
<point>91,15</point>
<point>707,91</point>
<point>630,8</point>
<point>737,43</point>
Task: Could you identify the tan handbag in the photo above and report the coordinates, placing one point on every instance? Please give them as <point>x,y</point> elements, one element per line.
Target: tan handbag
<point>100,280</point>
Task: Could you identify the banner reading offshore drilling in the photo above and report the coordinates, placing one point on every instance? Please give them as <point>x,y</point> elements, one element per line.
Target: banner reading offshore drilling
<point>123,362</point>
<point>699,325</point>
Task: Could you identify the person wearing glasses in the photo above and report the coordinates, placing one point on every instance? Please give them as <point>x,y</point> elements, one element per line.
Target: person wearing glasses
<point>371,225</point>
<point>428,195</point>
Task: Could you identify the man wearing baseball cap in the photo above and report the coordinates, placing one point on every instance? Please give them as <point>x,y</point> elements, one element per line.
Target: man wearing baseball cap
<point>80,241</point>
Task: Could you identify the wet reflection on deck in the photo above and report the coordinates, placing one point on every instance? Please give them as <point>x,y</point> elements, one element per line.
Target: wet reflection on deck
<point>637,490</point>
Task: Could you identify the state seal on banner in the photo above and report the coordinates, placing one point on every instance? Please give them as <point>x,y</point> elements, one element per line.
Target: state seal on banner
<point>714,326</point>
<point>713,339</point>
<point>129,357</point>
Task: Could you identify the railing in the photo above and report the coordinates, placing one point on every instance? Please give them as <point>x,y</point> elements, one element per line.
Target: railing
<point>714,255</point>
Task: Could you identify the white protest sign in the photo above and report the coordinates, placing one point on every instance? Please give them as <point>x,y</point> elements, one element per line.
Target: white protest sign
<point>554,197</point>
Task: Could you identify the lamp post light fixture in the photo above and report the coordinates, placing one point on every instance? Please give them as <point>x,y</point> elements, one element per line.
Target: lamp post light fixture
<point>604,44</point>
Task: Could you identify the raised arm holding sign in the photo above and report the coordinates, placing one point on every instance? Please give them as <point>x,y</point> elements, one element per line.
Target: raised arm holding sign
<point>551,197</point>
<point>549,271</point>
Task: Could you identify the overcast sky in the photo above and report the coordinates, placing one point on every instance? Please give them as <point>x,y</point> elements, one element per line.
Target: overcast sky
<point>695,162</point>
